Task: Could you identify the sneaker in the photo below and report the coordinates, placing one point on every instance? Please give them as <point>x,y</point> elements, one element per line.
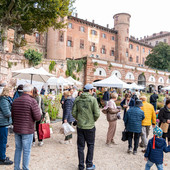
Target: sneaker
<point>129,150</point>
<point>134,152</point>
<point>113,142</point>
<point>7,161</point>
<point>109,145</point>
<point>33,144</point>
<point>40,143</point>
<point>64,142</point>
<point>141,145</point>
<point>91,168</point>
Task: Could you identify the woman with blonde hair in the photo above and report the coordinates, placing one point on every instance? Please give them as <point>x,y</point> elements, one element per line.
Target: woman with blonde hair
<point>112,119</point>
<point>5,121</point>
<point>67,115</point>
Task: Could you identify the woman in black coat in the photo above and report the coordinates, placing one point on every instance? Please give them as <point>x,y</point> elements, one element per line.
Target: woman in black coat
<point>164,117</point>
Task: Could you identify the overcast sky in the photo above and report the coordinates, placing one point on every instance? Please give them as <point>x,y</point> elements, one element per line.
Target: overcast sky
<point>147,16</point>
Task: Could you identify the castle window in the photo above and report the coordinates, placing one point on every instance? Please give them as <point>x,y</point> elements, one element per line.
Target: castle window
<point>70,25</point>
<point>103,50</point>
<point>93,48</point>
<point>112,52</point>
<point>69,42</point>
<point>37,36</point>
<point>143,49</point>
<point>82,44</point>
<point>61,36</point>
<point>130,59</point>
<point>143,62</point>
<point>113,38</point>
<point>100,73</point>
<point>131,46</point>
<point>127,53</point>
<point>137,59</point>
<point>137,48</point>
<point>93,32</point>
<point>103,35</point>
<point>82,29</point>
<point>126,39</point>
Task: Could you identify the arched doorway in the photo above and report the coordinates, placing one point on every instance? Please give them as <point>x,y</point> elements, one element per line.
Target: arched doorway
<point>142,80</point>
<point>151,88</point>
<point>159,88</point>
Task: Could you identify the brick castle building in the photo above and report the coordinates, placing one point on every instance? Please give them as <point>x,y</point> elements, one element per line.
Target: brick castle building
<point>108,51</point>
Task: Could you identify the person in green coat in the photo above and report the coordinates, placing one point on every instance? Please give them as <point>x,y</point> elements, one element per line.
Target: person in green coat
<point>86,111</point>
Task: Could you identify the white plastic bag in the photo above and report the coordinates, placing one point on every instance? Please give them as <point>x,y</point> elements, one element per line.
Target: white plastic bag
<point>68,129</point>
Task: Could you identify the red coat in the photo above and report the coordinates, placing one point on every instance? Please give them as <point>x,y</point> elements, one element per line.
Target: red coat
<point>25,111</point>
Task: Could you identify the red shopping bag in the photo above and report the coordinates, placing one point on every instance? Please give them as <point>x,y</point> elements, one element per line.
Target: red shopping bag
<point>44,130</point>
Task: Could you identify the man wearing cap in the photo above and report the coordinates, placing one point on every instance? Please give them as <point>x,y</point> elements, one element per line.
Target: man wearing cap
<point>86,112</point>
<point>150,118</point>
<point>133,124</point>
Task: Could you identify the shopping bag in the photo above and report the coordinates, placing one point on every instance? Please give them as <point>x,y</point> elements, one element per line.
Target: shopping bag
<point>124,135</point>
<point>44,130</point>
<point>68,129</point>
<point>164,127</point>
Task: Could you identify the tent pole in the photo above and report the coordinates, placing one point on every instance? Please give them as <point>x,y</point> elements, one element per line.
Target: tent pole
<point>31,78</point>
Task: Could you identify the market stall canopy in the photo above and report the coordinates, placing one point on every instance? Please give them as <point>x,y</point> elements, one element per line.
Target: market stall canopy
<point>74,81</point>
<point>166,88</point>
<point>32,74</point>
<point>58,81</point>
<point>112,81</point>
<point>135,86</point>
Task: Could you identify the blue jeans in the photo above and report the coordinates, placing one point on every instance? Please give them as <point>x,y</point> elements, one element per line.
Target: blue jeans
<point>149,165</point>
<point>3,142</point>
<point>22,143</point>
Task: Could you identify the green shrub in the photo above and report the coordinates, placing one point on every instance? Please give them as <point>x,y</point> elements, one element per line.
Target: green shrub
<point>160,105</point>
<point>33,56</point>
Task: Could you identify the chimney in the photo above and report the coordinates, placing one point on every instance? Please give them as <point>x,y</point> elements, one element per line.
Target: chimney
<point>76,14</point>
<point>107,25</point>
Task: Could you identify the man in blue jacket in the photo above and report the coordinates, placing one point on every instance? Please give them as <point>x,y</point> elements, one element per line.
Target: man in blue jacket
<point>133,124</point>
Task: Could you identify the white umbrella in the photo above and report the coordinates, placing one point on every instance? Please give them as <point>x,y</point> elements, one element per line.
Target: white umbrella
<point>135,86</point>
<point>32,74</point>
<point>112,81</point>
<point>74,81</point>
<point>166,88</point>
<point>58,81</point>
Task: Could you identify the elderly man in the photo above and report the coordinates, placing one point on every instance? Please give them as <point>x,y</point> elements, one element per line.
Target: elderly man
<point>86,112</point>
<point>150,118</point>
<point>25,111</point>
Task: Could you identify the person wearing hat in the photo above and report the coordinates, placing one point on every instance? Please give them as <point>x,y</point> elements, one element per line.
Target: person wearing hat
<point>150,118</point>
<point>86,112</point>
<point>156,147</point>
<point>133,124</point>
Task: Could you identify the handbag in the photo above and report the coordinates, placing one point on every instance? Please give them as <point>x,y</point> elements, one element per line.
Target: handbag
<point>111,117</point>
<point>124,135</point>
<point>68,129</point>
<point>44,130</point>
<point>164,127</point>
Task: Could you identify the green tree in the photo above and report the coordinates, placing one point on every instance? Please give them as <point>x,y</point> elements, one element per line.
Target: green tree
<point>159,57</point>
<point>26,16</point>
<point>33,56</point>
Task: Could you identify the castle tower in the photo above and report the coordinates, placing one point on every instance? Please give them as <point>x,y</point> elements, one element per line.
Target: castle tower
<point>56,44</point>
<point>121,24</point>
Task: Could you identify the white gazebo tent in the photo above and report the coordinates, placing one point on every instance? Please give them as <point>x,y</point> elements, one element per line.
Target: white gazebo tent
<point>136,87</point>
<point>61,81</point>
<point>166,88</point>
<point>32,74</point>
<point>74,81</point>
<point>112,81</point>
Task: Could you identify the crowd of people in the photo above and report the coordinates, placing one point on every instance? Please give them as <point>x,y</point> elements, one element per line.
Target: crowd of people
<point>25,110</point>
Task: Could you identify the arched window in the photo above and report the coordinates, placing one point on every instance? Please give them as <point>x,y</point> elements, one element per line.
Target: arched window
<point>130,76</point>
<point>142,80</point>
<point>100,72</point>
<point>161,80</point>
<point>152,79</point>
<point>117,73</point>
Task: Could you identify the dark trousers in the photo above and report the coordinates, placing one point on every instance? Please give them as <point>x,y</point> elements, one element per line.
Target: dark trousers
<point>154,105</point>
<point>136,140</point>
<point>3,142</point>
<point>37,129</point>
<point>88,136</point>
